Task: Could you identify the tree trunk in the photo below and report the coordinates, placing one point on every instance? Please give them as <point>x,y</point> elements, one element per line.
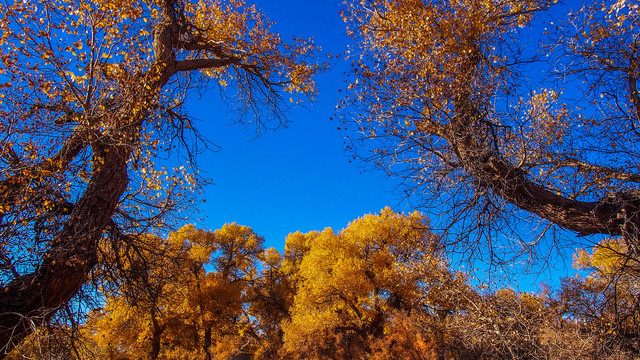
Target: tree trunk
<point>616,214</point>
<point>206,344</point>
<point>34,298</point>
<point>156,336</point>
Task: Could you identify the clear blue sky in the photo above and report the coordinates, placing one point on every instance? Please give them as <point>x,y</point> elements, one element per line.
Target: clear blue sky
<point>294,178</point>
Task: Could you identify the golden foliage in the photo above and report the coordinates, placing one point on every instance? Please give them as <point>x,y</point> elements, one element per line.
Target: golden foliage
<point>349,284</point>
<point>196,304</point>
<point>91,102</point>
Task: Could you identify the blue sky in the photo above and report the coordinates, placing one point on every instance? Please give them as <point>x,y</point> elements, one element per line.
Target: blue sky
<point>296,178</point>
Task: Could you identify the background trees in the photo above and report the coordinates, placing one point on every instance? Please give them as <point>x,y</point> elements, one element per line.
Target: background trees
<point>445,95</point>
<point>378,289</point>
<point>198,307</point>
<point>91,94</point>
<point>606,299</point>
<point>358,287</point>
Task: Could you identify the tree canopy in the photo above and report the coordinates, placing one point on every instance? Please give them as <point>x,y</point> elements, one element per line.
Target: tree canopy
<point>447,96</point>
<point>92,96</point>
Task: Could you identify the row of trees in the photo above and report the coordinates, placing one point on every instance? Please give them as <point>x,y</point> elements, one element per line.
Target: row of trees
<point>378,289</point>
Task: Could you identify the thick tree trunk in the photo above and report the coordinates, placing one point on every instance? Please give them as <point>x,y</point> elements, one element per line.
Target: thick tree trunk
<point>34,298</point>
<point>206,344</point>
<point>156,337</point>
<point>616,214</point>
<point>609,215</point>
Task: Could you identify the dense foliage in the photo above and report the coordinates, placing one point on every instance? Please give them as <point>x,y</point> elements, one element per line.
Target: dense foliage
<point>378,289</point>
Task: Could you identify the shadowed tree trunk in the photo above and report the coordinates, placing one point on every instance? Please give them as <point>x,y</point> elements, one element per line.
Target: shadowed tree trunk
<point>156,337</point>
<point>206,341</point>
<point>34,298</point>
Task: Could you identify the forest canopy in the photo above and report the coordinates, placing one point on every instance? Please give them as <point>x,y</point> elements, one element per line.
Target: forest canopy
<point>377,289</point>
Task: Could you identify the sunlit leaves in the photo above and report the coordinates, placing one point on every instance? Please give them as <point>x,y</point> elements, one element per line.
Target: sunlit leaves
<point>351,283</point>
<point>95,89</point>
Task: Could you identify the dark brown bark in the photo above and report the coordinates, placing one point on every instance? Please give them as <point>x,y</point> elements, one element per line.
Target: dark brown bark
<point>34,298</point>
<point>604,216</point>
<point>206,344</point>
<point>156,336</point>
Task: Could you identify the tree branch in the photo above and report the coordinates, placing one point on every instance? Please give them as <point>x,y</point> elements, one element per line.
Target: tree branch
<point>198,64</point>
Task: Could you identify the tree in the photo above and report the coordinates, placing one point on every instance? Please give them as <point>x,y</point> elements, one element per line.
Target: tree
<point>357,289</point>
<point>270,298</point>
<point>447,96</point>
<point>91,97</point>
<point>607,300</point>
<point>198,302</point>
